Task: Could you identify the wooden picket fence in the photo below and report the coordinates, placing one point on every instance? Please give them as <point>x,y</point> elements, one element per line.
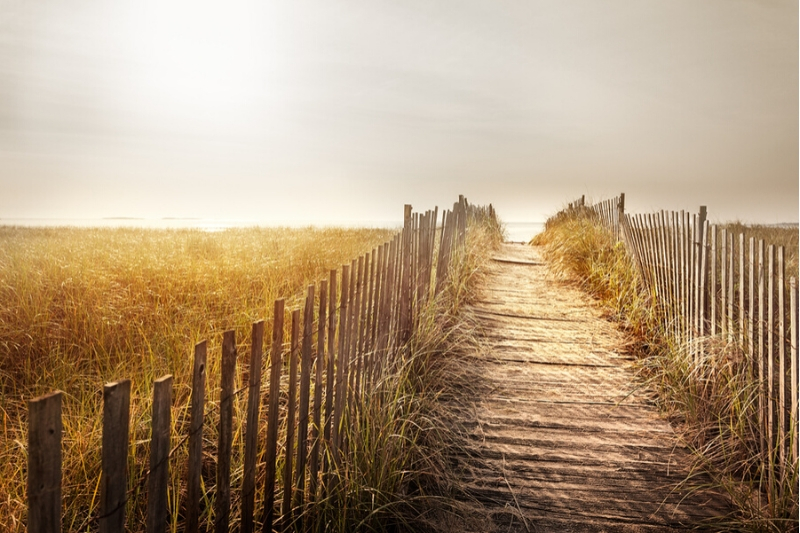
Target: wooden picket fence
<point>708,284</point>
<point>363,316</point>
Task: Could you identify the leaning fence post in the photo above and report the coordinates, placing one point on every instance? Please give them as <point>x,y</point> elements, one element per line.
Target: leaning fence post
<point>114,478</point>
<point>44,463</point>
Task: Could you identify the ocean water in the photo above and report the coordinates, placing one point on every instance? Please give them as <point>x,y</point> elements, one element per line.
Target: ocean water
<point>522,231</point>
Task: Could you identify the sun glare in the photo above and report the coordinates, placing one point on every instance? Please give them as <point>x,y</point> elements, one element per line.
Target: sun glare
<point>199,57</point>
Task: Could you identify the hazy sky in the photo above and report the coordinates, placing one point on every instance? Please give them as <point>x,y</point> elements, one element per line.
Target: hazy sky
<point>297,110</point>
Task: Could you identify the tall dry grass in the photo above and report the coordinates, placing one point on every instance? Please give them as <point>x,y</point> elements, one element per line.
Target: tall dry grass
<point>711,399</point>
<point>80,307</point>
<point>83,307</point>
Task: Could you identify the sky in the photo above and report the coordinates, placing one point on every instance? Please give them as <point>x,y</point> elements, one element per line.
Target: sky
<point>339,111</point>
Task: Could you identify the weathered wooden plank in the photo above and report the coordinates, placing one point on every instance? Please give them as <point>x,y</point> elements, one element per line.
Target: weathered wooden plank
<point>341,363</point>
<point>741,312</point>
<point>730,297</point>
<point>701,320</point>
<point>713,283</point>
<point>304,398</point>
<point>271,448</point>
<point>195,452</point>
<point>723,306</point>
<point>771,360</point>
<point>330,383</point>
<point>222,502</point>
<point>252,429</point>
<point>793,340</point>
<point>288,449</point>
<point>782,412</point>
<point>316,425</point>
<point>157,511</point>
<point>762,418</point>
<point>114,477</point>
<point>751,305</point>
<point>44,463</point>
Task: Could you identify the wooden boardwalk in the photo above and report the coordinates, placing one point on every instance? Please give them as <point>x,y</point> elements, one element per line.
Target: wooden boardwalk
<point>560,437</point>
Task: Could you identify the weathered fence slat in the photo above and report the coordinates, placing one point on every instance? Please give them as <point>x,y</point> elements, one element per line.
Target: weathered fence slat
<point>252,429</point>
<point>195,466</point>
<point>330,383</point>
<point>305,397</point>
<point>793,340</point>
<point>316,423</point>
<point>44,463</point>
<point>782,412</point>
<point>288,465</point>
<point>157,511</point>
<point>114,477</point>
<point>271,448</point>
<point>222,503</point>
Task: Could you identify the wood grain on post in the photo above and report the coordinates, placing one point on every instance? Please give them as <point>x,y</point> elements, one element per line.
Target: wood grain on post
<point>350,332</point>
<point>288,465</point>
<point>741,291</point>
<point>357,336</point>
<point>695,273</point>
<point>676,277</point>
<point>271,448</point>
<point>305,396</point>
<point>713,285</point>
<point>684,279</point>
<point>701,321</point>
<point>316,423</point>
<point>370,316</point>
<point>114,478</point>
<point>782,411</point>
<point>793,341</point>
<point>379,266</point>
<point>761,355</point>
<point>730,297</point>
<point>330,379</point>
<point>723,306</point>
<point>252,429</point>
<point>771,357</point>
<point>341,363</point>
<point>222,502</point>
<point>666,265</point>
<point>195,452</point>
<point>157,512</point>
<point>751,306</point>
<point>44,463</point>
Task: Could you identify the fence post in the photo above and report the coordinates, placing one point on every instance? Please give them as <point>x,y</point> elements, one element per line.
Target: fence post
<point>114,479</point>
<point>222,507</point>
<point>275,356</point>
<point>196,438</point>
<point>44,463</point>
<point>251,435</point>
<point>288,467</point>
<point>157,512</point>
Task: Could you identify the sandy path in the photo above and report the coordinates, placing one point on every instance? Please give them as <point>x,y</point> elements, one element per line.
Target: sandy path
<point>560,439</point>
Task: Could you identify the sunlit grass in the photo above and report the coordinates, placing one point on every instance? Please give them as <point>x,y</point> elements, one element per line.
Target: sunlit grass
<point>81,307</point>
